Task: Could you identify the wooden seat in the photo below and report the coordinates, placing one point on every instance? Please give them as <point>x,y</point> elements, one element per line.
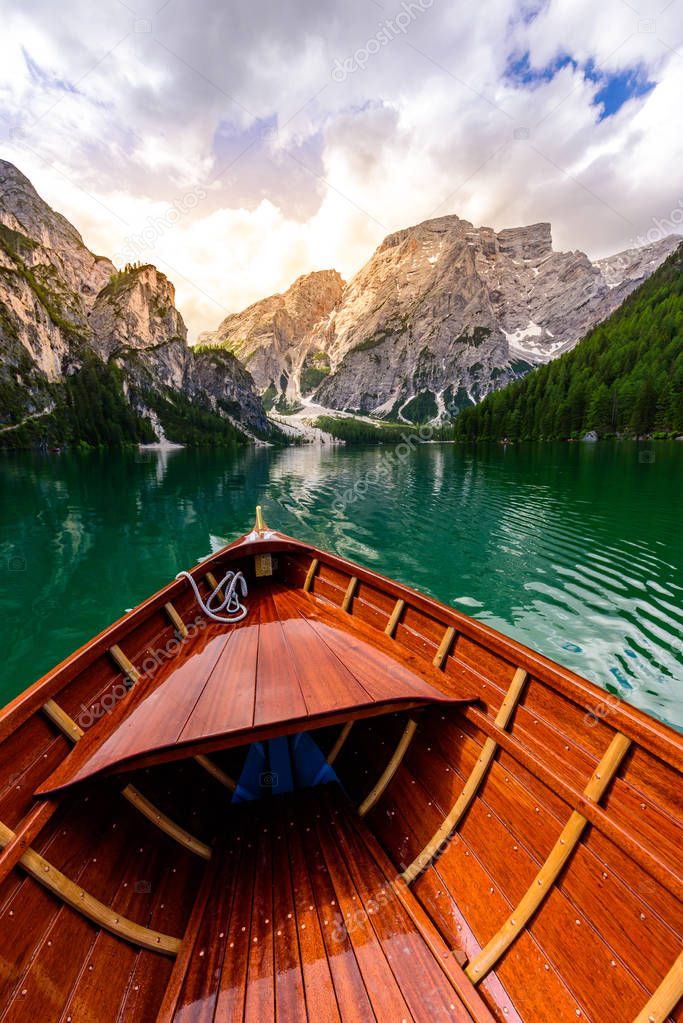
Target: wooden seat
<point>302,922</point>
<point>291,665</point>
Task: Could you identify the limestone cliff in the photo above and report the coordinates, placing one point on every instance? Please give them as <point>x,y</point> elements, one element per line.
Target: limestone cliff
<point>445,312</point>
<point>267,336</point>
<point>59,304</point>
<point>442,314</point>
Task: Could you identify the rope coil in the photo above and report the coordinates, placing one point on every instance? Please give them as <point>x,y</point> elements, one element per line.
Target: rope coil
<point>230,603</point>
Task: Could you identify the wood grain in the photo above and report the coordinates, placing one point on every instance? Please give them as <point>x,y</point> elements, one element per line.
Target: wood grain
<point>60,885</point>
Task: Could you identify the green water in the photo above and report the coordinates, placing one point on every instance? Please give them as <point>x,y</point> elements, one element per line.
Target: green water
<point>575,550</point>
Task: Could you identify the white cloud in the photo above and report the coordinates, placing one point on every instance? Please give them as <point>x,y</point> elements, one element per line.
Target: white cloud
<point>116,124</point>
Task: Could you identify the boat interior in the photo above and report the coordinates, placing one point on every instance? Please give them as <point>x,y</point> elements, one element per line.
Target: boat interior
<point>353,804</point>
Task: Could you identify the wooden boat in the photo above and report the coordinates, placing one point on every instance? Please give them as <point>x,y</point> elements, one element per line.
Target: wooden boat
<point>353,804</point>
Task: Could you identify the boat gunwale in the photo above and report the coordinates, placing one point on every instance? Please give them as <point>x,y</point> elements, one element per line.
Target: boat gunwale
<point>31,699</point>
<point>650,733</point>
<point>652,736</point>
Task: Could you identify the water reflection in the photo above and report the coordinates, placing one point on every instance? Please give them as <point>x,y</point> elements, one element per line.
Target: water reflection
<point>575,550</point>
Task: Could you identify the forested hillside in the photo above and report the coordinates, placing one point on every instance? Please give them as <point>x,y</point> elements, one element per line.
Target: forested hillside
<point>358,431</point>
<point>90,409</point>
<point>95,356</point>
<point>626,376</point>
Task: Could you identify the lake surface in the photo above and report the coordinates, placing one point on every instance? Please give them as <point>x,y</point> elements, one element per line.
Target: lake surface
<point>576,550</point>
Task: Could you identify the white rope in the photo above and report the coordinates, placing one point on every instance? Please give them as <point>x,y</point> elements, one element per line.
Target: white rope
<point>230,603</point>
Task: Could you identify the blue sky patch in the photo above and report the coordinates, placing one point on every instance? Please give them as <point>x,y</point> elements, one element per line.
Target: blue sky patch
<point>45,78</point>
<point>520,71</point>
<point>614,90</point>
<point>617,89</point>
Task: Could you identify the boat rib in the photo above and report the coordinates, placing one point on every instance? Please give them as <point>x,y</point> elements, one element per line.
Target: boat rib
<point>473,783</point>
<point>551,869</point>
<point>390,770</point>
<point>72,731</point>
<point>104,916</point>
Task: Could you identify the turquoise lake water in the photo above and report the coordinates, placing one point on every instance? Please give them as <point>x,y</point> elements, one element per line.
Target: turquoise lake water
<point>576,550</point>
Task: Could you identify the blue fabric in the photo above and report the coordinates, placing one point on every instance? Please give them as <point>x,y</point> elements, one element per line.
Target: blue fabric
<point>310,766</point>
<point>281,776</point>
<point>282,765</point>
<point>249,782</point>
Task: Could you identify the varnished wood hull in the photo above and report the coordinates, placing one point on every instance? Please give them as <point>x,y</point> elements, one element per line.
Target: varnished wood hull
<point>516,840</point>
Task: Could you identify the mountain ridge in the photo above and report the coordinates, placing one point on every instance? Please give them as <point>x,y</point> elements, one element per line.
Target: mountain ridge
<point>441,314</point>
<point>61,306</point>
<point>624,378</point>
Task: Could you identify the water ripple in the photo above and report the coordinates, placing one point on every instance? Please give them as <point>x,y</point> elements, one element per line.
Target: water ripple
<point>575,552</point>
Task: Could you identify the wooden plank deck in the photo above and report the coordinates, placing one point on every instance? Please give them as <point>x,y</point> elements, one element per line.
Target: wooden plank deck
<point>303,923</point>
<point>292,664</point>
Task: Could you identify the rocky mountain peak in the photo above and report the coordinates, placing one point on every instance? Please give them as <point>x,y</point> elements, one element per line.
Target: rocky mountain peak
<point>636,263</point>
<point>23,210</point>
<point>49,243</point>
<point>441,314</point>
<point>313,295</point>
<point>59,304</point>
<point>266,336</point>
<point>136,309</point>
<point>530,244</point>
<point>438,226</point>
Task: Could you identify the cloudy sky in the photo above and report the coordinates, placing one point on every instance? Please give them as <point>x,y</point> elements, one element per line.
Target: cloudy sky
<point>240,144</point>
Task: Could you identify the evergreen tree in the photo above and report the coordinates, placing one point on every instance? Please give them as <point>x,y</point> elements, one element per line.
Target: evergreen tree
<point>626,376</point>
